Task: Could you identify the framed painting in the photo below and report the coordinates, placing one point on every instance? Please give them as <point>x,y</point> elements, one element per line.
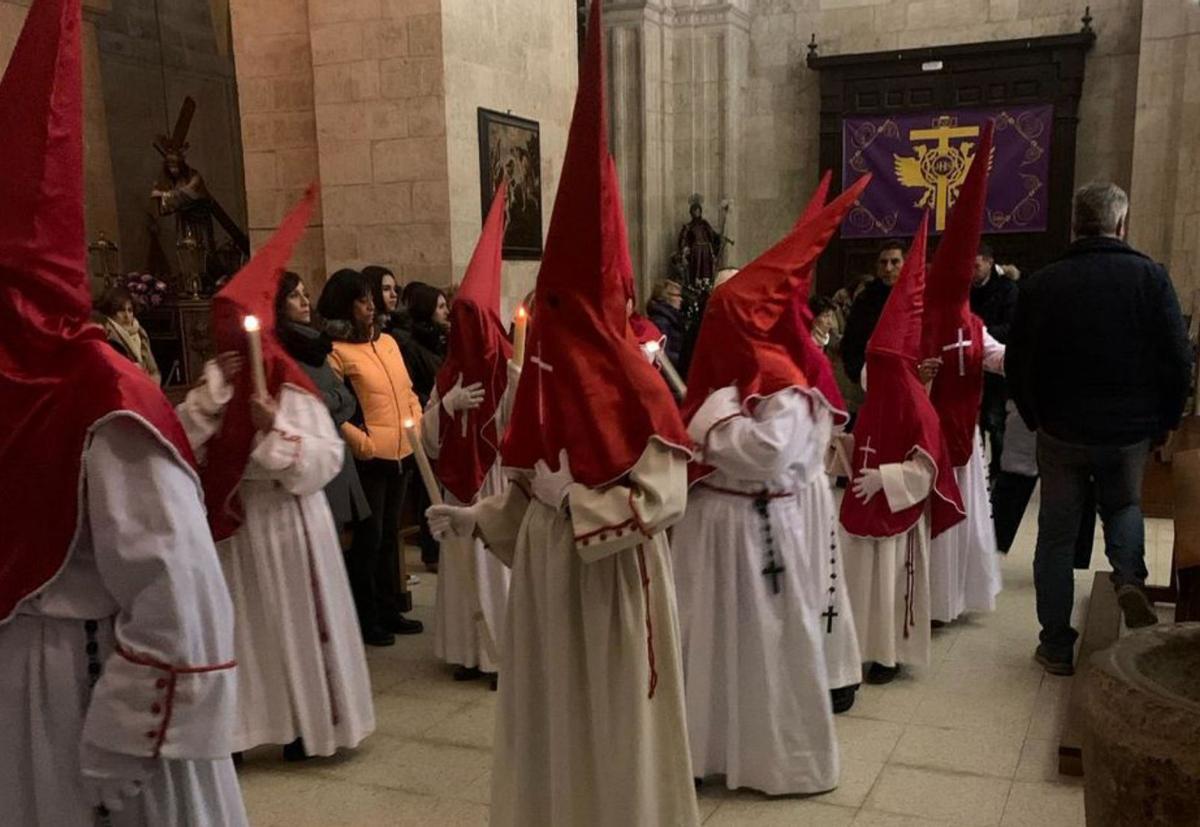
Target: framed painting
<point>511,146</point>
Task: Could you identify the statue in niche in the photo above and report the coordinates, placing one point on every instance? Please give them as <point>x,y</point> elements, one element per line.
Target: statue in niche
<point>183,193</point>
<point>699,247</point>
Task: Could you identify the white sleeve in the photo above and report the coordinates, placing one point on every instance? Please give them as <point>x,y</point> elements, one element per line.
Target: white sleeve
<point>993,354</point>
<point>168,690</point>
<point>200,412</point>
<point>431,425</point>
<point>907,483</point>
<point>303,451</point>
<point>762,446</point>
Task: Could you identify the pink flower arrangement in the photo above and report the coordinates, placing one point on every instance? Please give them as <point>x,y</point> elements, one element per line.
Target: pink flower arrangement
<point>147,291</point>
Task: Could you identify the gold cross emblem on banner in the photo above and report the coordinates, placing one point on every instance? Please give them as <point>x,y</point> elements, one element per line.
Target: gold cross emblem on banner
<point>938,170</point>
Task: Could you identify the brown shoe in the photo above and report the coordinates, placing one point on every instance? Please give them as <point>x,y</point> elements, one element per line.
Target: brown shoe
<point>1054,666</point>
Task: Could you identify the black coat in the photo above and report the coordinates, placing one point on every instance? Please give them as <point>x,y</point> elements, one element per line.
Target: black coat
<point>424,351</point>
<point>1098,353</point>
<point>670,322</point>
<point>995,303</point>
<point>864,315</point>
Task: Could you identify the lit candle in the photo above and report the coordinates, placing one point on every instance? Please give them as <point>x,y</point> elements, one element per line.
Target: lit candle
<point>668,370</point>
<point>254,337</point>
<point>431,483</point>
<point>521,322</point>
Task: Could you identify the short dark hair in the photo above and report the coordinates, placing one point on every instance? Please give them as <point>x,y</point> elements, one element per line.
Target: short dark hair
<point>343,289</point>
<point>986,251</point>
<point>287,283</point>
<point>819,304</point>
<point>421,300</point>
<point>892,244</point>
<point>114,300</point>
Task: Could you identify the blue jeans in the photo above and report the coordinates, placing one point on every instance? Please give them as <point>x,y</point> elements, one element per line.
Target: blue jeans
<point>1068,471</point>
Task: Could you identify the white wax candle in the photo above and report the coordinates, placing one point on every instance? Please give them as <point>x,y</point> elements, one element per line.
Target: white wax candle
<point>522,321</point>
<point>258,370</point>
<point>431,483</point>
<point>668,370</point>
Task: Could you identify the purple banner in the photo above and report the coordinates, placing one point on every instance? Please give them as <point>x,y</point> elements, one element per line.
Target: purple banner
<point>920,161</point>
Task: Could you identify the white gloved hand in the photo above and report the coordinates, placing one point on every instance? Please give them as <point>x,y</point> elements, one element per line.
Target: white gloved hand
<point>868,484</point>
<point>451,520</point>
<point>459,398</point>
<point>550,487</point>
<point>112,778</point>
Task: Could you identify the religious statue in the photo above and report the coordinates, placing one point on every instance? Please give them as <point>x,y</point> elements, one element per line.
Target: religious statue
<point>183,193</point>
<point>699,247</point>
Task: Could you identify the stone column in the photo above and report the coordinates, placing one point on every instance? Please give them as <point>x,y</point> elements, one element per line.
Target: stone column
<point>279,134</point>
<point>1165,210</point>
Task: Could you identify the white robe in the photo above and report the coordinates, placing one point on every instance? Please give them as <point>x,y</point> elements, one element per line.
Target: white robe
<point>144,567</point>
<point>472,584</point>
<point>302,669</point>
<point>964,562</point>
<point>758,702</point>
<point>591,606</point>
<point>819,518</point>
<point>881,595</point>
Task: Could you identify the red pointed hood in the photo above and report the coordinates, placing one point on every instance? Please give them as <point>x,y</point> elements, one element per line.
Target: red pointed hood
<point>59,379</point>
<point>585,386</point>
<point>897,419</point>
<point>479,351</point>
<point>250,293</point>
<point>797,325</point>
<point>951,331</point>
<point>741,340</point>
<point>643,329</point>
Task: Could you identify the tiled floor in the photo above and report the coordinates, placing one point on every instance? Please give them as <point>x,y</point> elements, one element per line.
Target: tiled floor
<point>972,740</point>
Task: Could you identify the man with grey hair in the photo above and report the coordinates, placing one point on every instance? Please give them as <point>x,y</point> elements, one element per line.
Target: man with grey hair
<point>1099,365</point>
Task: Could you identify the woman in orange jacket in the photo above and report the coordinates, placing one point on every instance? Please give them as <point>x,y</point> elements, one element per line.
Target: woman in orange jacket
<point>371,365</point>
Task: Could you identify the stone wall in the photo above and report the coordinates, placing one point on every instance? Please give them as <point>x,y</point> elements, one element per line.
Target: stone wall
<point>728,108</point>
<point>1165,211</point>
<point>515,56</point>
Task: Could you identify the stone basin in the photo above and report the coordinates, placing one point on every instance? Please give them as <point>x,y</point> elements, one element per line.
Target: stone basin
<point>1141,746</point>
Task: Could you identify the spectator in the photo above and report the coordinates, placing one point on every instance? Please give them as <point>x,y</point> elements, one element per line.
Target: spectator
<point>1099,365</point>
<point>824,323</point>
<point>393,315</point>
<point>665,309</point>
<point>372,365</point>
<point>311,349</point>
<point>864,313</point>
<point>125,332</point>
<point>993,299</point>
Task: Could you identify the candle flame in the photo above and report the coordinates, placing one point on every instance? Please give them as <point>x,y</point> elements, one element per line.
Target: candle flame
<point>651,347</point>
<point>521,311</point>
<point>250,323</point>
<point>408,423</point>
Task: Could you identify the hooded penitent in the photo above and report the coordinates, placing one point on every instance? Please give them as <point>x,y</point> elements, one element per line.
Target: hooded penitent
<point>897,420</point>
<point>59,379</point>
<point>741,339</point>
<point>644,330</point>
<point>586,387</point>
<point>250,293</point>
<point>797,323</point>
<point>479,352</point>
<point>951,331</point>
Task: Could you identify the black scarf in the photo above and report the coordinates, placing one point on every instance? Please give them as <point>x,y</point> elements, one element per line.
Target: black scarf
<point>305,344</point>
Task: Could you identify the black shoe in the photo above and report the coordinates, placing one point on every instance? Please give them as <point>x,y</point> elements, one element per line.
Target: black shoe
<point>495,681</point>
<point>843,698</point>
<point>467,673</point>
<point>295,751</point>
<point>1136,607</point>
<point>378,637</point>
<point>697,782</point>
<point>401,625</point>
<point>1052,665</point>
<point>237,759</point>
<point>879,674</point>
<point>937,624</point>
